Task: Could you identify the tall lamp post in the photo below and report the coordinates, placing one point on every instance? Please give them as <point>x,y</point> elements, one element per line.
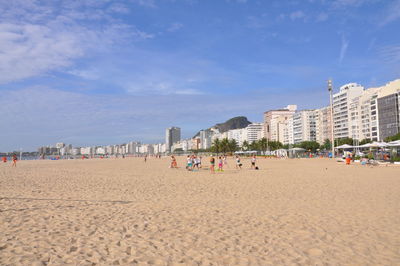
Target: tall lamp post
<point>332,124</point>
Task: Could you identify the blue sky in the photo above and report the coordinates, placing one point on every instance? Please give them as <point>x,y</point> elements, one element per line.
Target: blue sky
<point>94,72</point>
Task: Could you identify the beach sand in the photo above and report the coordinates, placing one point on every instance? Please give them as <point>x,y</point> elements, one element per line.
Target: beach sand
<point>126,211</point>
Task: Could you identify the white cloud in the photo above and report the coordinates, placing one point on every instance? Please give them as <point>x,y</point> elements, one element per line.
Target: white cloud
<point>39,116</point>
<point>175,27</point>
<point>30,50</point>
<point>237,1</point>
<point>391,54</point>
<point>146,3</point>
<point>297,15</point>
<point>258,22</point>
<point>37,38</point>
<point>343,48</point>
<point>346,3</point>
<point>119,8</point>
<point>322,17</point>
<point>189,92</point>
<point>86,74</point>
<point>391,14</point>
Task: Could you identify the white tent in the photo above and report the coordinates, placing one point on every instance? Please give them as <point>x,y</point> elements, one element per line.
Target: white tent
<point>344,146</point>
<point>394,143</point>
<point>367,145</point>
<point>297,149</point>
<point>375,144</point>
<point>280,153</point>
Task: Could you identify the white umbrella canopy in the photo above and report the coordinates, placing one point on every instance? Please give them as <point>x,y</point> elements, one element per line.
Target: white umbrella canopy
<point>375,144</point>
<point>367,145</point>
<point>297,149</point>
<point>344,146</point>
<point>394,143</point>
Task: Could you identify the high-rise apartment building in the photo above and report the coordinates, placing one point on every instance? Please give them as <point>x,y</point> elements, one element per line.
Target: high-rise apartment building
<point>323,124</point>
<point>205,139</point>
<point>132,147</point>
<point>254,132</point>
<point>172,135</point>
<point>368,115</point>
<point>344,109</point>
<point>288,132</point>
<point>239,135</point>
<point>275,122</point>
<point>304,126</point>
<point>389,109</point>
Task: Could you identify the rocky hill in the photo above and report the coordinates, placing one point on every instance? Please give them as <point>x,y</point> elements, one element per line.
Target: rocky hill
<point>233,123</point>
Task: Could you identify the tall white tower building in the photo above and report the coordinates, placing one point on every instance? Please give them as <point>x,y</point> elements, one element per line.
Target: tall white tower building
<point>172,135</point>
<point>344,110</point>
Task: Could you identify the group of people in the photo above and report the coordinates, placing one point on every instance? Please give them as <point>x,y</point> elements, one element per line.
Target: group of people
<point>14,159</point>
<point>222,162</point>
<point>195,162</point>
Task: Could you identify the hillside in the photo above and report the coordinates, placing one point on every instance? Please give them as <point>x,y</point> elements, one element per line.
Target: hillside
<point>233,123</point>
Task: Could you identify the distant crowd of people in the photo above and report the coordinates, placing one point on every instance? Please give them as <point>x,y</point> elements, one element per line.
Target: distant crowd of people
<point>194,163</point>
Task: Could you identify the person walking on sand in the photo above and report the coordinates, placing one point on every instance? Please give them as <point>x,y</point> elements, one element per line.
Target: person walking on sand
<point>14,159</point>
<point>212,164</point>
<point>238,164</point>
<point>225,161</point>
<point>196,162</point>
<point>253,162</point>
<point>220,165</point>
<point>189,163</point>
<point>173,162</point>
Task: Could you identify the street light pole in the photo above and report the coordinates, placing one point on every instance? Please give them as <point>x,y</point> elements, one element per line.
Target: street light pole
<point>332,124</point>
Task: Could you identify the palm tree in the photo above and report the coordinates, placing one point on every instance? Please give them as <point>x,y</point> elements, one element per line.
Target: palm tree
<point>216,146</point>
<point>224,145</point>
<point>245,145</point>
<point>274,145</point>
<point>232,145</point>
<point>254,146</point>
<point>263,144</point>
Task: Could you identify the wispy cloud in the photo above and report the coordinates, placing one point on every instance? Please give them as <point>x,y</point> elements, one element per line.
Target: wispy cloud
<point>146,3</point>
<point>258,22</point>
<point>237,1</point>
<point>175,27</point>
<point>321,17</point>
<point>36,39</point>
<point>390,54</point>
<point>45,116</point>
<point>347,3</point>
<point>391,14</point>
<point>297,15</point>
<point>343,48</point>
<point>119,8</point>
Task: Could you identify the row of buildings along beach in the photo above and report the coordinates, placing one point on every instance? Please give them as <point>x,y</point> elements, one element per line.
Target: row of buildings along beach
<point>358,113</point>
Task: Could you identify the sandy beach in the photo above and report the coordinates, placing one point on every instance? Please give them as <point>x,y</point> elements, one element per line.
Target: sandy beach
<point>126,211</point>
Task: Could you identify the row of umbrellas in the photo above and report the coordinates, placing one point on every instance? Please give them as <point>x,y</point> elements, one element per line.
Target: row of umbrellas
<point>374,144</point>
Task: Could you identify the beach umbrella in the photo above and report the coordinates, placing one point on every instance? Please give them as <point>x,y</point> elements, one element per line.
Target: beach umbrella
<point>376,144</point>
<point>394,143</point>
<point>367,145</point>
<point>344,146</point>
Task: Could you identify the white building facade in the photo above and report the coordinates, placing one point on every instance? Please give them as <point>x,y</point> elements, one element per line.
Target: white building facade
<point>275,122</point>
<point>304,126</point>
<point>344,104</point>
